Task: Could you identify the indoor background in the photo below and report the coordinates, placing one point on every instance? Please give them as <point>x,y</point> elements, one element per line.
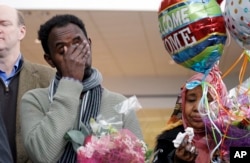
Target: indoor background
<point>128,50</point>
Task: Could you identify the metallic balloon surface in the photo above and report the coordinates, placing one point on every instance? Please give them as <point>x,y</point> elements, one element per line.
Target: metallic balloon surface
<point>219,1</point>
<point>237,18</point>
<point>193,32</point>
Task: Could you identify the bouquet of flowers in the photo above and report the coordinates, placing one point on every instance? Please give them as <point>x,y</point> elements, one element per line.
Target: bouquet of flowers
<point>228,121</point>
<point>105,144</point>
<point>116,146</point>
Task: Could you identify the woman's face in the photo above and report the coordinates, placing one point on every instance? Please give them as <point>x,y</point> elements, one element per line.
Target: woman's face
<point>191,112</point>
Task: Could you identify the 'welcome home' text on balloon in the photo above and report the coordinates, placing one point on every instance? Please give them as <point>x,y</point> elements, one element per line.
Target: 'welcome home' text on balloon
<point>181,37</point>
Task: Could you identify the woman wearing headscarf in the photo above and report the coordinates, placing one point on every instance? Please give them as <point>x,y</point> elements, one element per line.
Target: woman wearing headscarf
<point>186,114</point>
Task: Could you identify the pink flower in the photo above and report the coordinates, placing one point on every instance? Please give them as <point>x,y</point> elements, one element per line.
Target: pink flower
<point>87,139</point>
<point>118,147</point>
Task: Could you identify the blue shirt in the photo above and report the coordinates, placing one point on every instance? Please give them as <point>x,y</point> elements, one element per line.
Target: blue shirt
<point>6,79</point>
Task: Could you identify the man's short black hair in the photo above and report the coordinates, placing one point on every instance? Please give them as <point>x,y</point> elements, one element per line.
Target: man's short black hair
<point>57,21</point>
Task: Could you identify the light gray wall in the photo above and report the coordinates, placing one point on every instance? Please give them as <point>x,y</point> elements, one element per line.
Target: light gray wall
<point>156,92</point>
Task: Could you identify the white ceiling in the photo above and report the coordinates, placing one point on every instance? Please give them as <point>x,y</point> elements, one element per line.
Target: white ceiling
<point>126,46</point>
<point>124,43</point>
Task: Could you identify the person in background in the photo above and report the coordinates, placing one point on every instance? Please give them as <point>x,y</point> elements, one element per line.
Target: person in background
<point>186,114</point>
<point>75,95</point>
<point>17,75</point>
<point>5,152</point>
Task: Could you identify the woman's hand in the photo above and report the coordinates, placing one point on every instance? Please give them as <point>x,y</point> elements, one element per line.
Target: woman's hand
<point>186,151</point>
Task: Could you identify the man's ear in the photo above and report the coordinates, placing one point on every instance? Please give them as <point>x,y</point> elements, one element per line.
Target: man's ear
<point>22,32</point>
<point>89,40</point>
<point>48,59</point>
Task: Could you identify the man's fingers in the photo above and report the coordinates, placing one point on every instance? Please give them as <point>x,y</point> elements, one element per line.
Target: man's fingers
<point>86,48</point>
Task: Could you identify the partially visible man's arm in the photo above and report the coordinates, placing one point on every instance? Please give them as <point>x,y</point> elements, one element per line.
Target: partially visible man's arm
<point>5,153</point>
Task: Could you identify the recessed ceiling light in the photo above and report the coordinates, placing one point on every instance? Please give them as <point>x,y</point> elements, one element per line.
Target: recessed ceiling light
<point>171,62</point>
<point>37,41</point>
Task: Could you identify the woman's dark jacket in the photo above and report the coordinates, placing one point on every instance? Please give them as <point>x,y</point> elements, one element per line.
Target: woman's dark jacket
<point>164,149</point>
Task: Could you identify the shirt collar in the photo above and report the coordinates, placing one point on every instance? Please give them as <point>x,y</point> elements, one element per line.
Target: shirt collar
<point>17,64</point>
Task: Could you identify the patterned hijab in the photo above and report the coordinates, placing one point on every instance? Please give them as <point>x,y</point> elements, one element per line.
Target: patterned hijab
<point>201,140</point>
<point>214,78</point>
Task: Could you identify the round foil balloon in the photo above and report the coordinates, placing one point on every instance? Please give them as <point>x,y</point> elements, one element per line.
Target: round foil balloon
<point>237,18</point>
<point>219,1</point>
<point>193,32</point>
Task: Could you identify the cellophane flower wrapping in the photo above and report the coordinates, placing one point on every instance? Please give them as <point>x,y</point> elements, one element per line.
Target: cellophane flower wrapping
<point>228,119</point>
<point>117,147</point>
<point>106,144</point>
